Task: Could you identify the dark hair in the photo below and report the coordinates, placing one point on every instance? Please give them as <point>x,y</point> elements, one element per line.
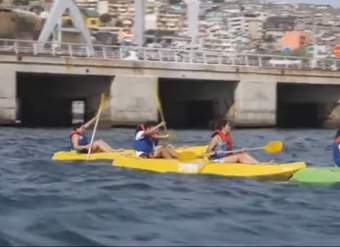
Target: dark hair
<point>337,133</point>
<point>219,124</point>
<point>145,125</point>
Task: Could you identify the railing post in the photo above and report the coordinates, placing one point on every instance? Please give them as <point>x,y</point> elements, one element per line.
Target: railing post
<point>324,64</point>
<point>334,65</point>
<point>87,51</point>
<point>35,50</point>
<point>104,52</point>
<point>159,55</point>
<point>246,60</point>
<point>260,61</point>
<point>120,53</point>
<point>16,47</point>
<point>69,47</point>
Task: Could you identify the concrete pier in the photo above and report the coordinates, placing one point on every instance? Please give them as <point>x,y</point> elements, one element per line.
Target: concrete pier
<point>8,105</point>
<point>133,99</point>
<point>255,103</point>
<point>192,94</point>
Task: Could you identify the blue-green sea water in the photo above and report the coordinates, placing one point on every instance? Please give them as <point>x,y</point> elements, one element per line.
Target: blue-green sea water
<point>44,202</point>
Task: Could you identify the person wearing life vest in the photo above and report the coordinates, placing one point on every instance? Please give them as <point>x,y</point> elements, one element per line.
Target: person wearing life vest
<point>146,142</point>
<point>221,145</point>
<point>81,143</point>
<point>336,148</point>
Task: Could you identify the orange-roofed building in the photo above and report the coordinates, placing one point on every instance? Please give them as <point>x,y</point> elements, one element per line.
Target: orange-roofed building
<point>336,51</point>
<point>295,40</point>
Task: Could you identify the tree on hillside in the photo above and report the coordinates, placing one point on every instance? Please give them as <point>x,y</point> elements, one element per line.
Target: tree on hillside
<point>175,1</point>
<point>105,18</point>
<point>21,2</point>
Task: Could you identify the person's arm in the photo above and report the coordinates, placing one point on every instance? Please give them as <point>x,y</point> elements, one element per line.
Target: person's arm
<point>90,122</point>
<point>151,131</point>
<point>160,137</point>
<point>211,145</point>
<point>76,145</point>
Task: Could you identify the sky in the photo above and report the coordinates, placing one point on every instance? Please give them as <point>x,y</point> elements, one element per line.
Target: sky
<point>335,3</point>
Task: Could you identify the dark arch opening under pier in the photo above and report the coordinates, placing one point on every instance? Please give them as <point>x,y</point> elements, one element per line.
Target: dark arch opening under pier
<point>308,105</point>
<point>51,100</point>
<point>190,103</point>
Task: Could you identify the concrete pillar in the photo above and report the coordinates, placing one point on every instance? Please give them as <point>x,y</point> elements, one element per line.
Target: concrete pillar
<point>193,19</point>
<point>139,22</point>
<point>133,99</point>
<point>255,103</point>
<point>7,95</point>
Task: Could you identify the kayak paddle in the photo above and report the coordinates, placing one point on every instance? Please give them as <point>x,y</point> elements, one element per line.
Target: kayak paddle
<point>270,147</point>
<point>100,108</point>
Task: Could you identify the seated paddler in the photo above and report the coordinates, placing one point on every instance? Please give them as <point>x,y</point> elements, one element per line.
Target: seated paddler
<point>220,146</point>
<point>81,143</point>
<point>146,141</point>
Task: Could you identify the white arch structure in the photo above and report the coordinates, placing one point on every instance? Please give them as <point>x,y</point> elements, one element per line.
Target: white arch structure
<point>53,25</point>
<point>139,22</point>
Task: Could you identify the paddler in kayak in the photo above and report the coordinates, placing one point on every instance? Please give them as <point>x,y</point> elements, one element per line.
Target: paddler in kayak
<point>221,142</point>
<point>146,140</point>
<point>81,143</point>
<point>336,148</point>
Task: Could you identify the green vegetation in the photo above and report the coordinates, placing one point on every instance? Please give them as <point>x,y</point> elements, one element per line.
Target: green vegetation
<point>21,2</point>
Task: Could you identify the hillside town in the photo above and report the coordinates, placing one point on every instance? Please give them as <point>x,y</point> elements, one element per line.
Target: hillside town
<point>247,26</point>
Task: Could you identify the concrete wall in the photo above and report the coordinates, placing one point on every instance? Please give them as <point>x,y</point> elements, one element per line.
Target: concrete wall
<point>255,103</point>
<point>7,94</point>
<point>133,85</point>
<point>133,99</point>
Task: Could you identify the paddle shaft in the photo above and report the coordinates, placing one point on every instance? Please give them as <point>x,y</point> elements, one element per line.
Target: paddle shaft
<point>159,106</point>
<point>233,151</point>
<point>94,129</point>
<point>92,137</point>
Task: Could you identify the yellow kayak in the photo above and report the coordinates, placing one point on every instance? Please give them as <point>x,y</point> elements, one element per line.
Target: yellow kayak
<point>73,155</point>
<point>183,152</point>
<point>202,166</point>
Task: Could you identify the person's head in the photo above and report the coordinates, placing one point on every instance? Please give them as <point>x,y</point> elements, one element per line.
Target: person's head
<point>145,126</point>
<point>79,128</point>
<point>338,132</point>
<point>223,125</point>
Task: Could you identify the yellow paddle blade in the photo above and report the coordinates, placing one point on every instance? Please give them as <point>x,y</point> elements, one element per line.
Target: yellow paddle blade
<point>101,102</point>
<point>273,147</point>
<point>158,103</point>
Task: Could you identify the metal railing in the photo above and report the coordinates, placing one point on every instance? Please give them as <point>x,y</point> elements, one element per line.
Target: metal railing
<point>34,48</point>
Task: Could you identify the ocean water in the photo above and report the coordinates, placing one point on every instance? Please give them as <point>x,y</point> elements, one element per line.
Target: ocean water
<point>44,202</point>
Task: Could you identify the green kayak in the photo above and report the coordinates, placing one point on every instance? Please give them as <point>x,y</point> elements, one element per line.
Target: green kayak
<point>324,175</point>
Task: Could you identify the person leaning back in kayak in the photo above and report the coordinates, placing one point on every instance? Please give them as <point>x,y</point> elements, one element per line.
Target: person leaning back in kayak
<point>221,142</point>
<point>146,140</point>
<point>336,148</point>
<point>80,142</point>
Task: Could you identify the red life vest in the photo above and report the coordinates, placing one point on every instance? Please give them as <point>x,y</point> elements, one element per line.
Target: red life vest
<point>226,138</point>
<point>74,132</point>
<point>337,140</point>
<point>82,139</point>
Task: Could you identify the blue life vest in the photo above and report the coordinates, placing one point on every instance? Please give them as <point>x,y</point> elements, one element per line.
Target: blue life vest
<point>336,151</point>
<point>221,147</point>
<point>145,145</point>
<point>82,139</point>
